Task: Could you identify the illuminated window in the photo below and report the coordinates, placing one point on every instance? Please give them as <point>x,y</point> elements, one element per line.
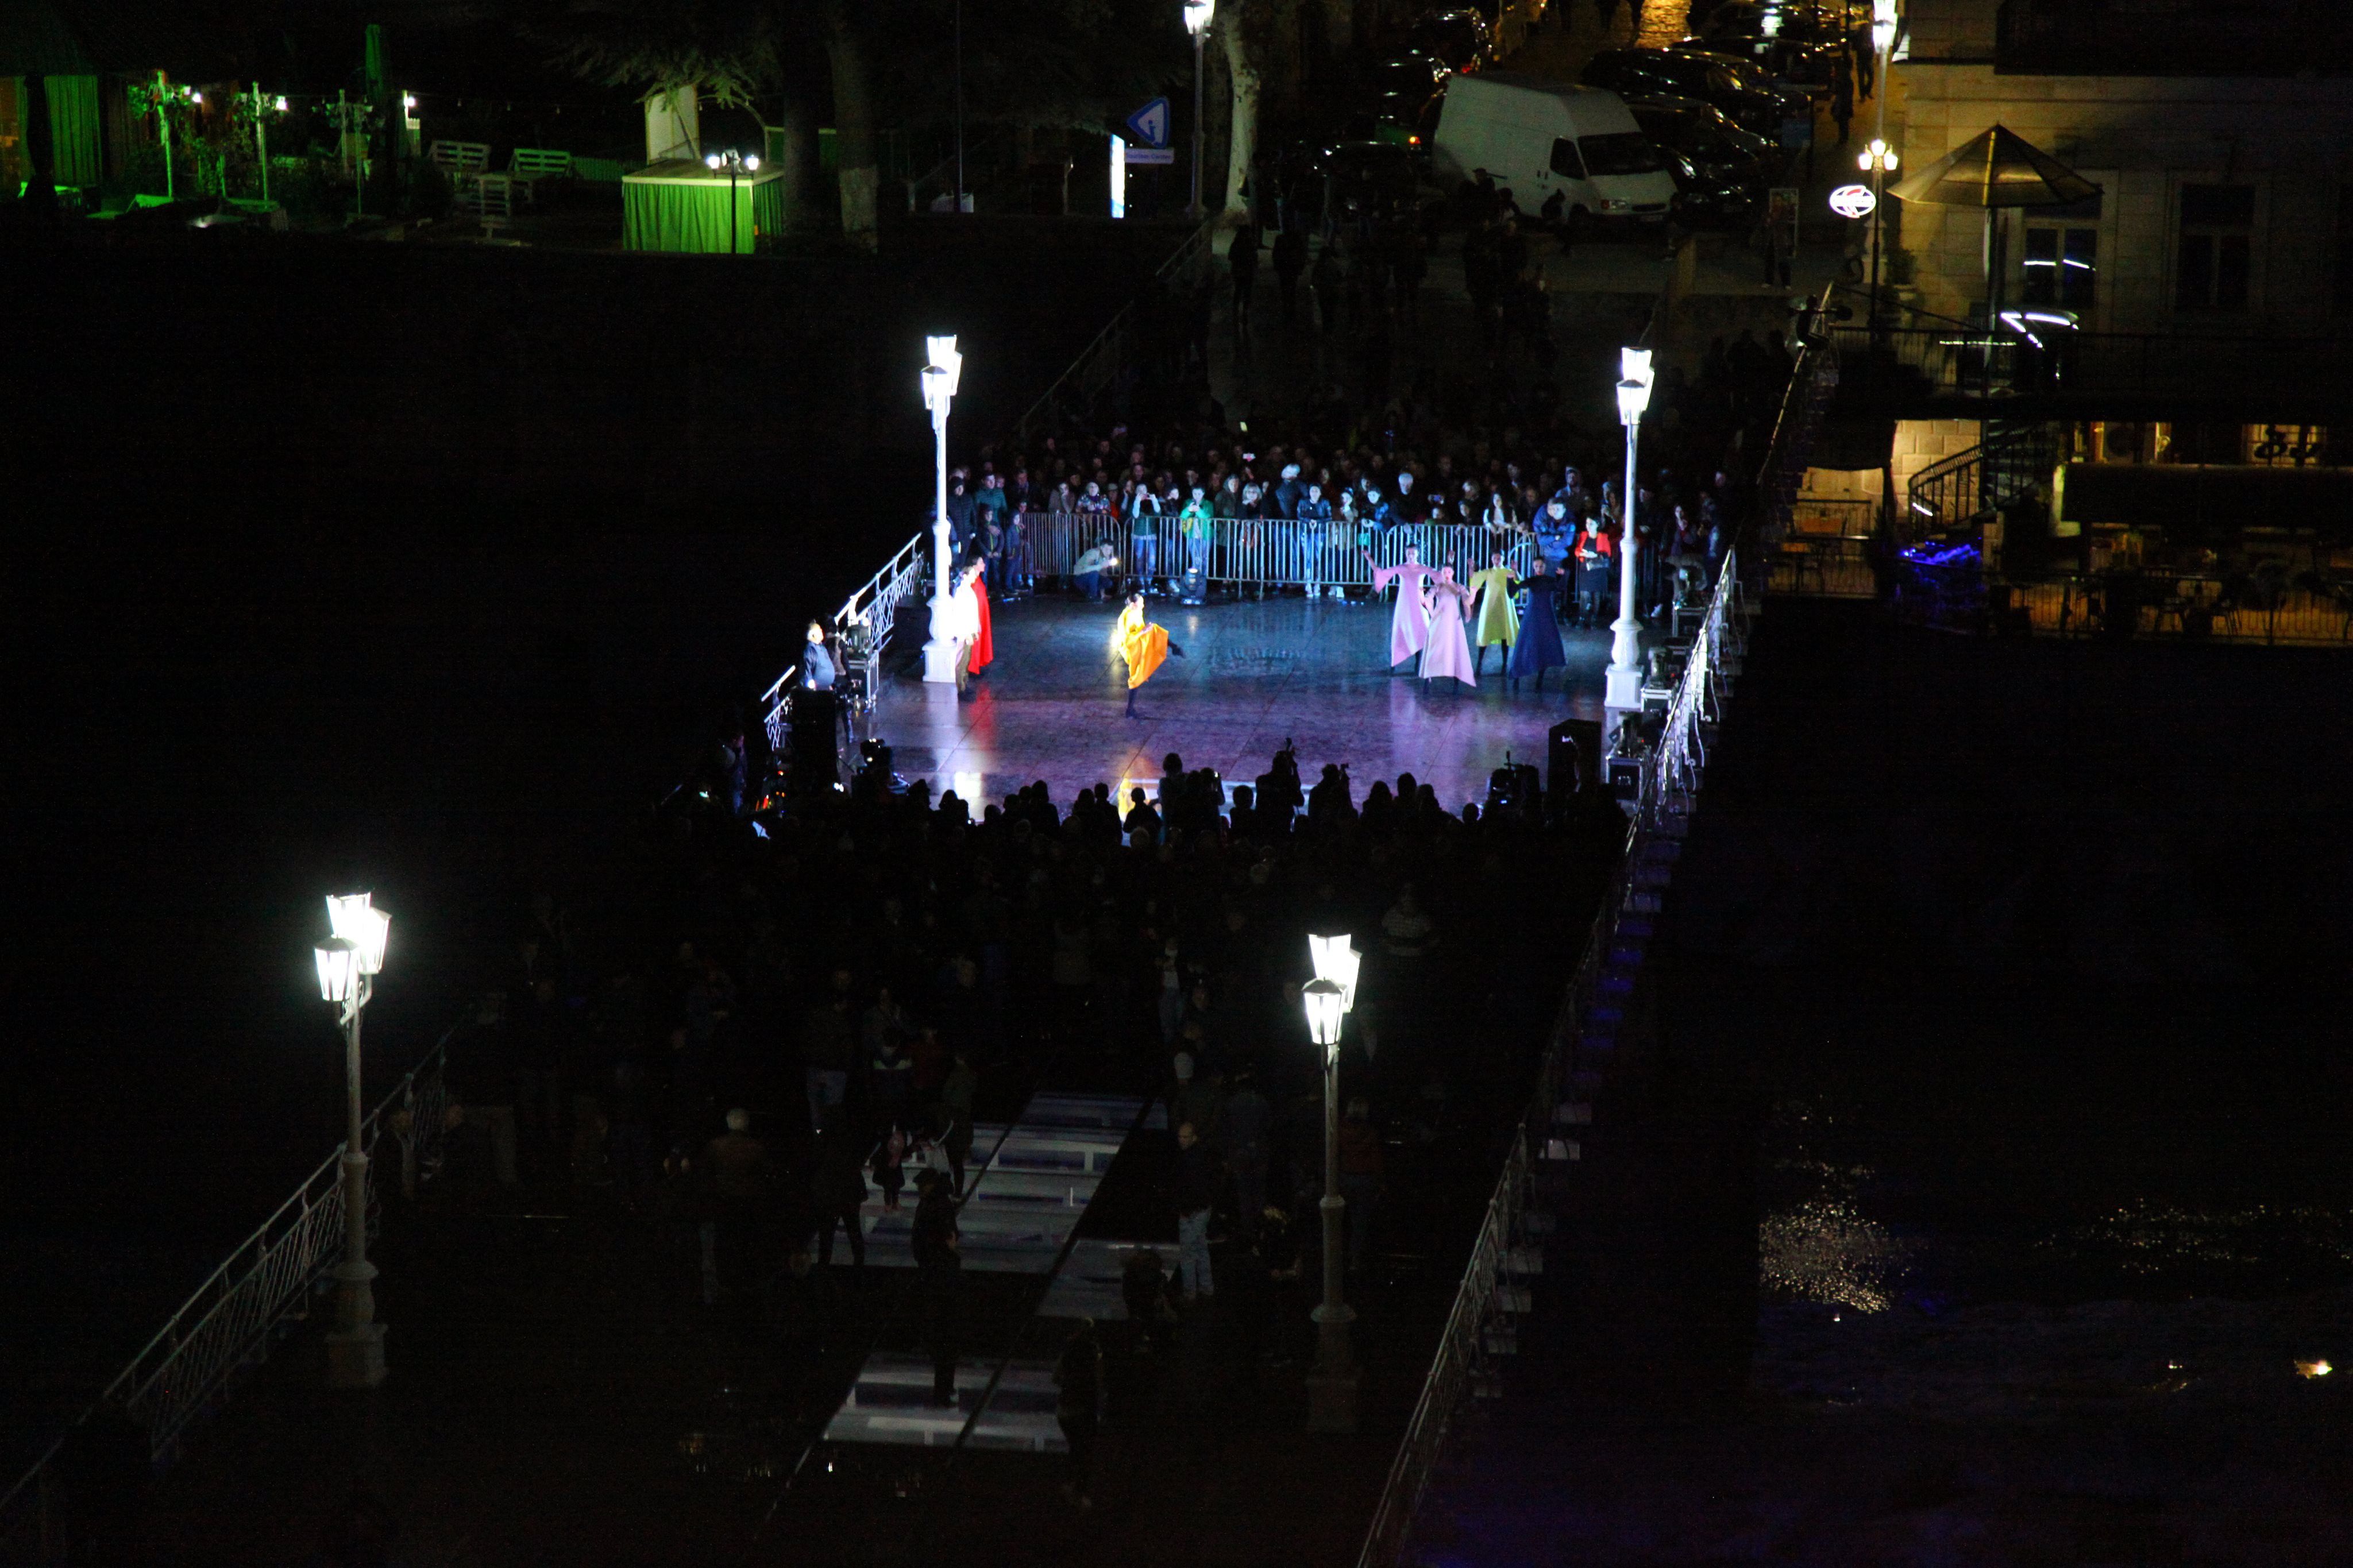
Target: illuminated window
<point>2062,267</point>
<point>2216,253</point>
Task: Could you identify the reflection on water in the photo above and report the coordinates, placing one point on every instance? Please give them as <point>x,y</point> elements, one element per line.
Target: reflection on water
<point>2253,1242</point>
<point>1814,1243</point>
<point>1824,1249</point>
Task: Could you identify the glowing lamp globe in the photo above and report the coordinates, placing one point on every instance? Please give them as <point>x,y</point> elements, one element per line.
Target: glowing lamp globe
<point>712,162</point>
<point>338,968</point>
<point>1336,961</point>
<point>1197,14</point>
<point>1324,1004</point>
<point>944,358</point>
<point>751,162</point>
<point>355,918</point>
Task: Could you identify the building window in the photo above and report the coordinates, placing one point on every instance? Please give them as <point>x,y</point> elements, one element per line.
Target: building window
<point>2216,253</point>
<point>2062,267</point>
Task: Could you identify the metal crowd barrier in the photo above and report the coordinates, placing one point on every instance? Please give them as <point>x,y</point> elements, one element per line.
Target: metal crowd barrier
<point>223,1328</point>
<point>1266,552</point>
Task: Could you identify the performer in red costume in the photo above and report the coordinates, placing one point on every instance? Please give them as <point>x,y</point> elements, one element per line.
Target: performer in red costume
<point>983,645</point>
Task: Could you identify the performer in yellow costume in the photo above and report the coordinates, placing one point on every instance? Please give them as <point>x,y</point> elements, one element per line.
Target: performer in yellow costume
<point>1142,643</point>
<point>1499,621</point>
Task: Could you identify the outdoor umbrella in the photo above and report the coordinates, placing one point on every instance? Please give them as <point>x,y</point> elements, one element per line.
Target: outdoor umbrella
<point>1996,168</point>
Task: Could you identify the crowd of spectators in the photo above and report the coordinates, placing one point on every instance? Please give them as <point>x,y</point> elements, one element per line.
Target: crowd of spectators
<point>1328,484</point>
<point>804,1013</point>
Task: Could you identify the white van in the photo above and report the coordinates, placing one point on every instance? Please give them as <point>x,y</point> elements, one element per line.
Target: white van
<point>1536,137</point>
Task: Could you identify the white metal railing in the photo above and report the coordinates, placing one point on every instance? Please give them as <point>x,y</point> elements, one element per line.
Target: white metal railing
<point>865,618</point>
<point>223,1328</point>
<point>1592,1007</point>
<point>1459,1363</point>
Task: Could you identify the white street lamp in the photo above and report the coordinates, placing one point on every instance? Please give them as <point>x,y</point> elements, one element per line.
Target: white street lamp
<point>1623,684</point>
<point>1878,161</point>
<point>348,963</point>
<point>940,378</point>
<point>1336,961</point>
<point>1329,998</point>
<point>1197,22</point>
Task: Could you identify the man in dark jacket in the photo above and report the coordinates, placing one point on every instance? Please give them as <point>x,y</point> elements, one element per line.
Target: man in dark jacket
<point>837,1190</point>
<point>1196,1193</point>
<point>939,1267</point>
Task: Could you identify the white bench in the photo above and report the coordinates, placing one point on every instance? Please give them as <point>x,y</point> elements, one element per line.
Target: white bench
<point>527,167</point>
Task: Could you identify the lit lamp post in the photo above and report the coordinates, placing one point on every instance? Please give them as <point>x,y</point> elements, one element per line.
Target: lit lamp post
<point>939,391</point>
<point>737,165</point>
<point>1883,26</point>
<point>1329,998</point>
<point>1197,22</point>
<point>348,963</point>
<point>1878,161</point>
<point>1622,692</point>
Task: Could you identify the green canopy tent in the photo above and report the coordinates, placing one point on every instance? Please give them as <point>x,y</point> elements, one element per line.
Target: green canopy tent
<point>680,205</point>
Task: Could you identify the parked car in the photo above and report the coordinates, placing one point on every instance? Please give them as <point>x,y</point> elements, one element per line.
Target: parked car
<point>1461,40</point>
<point>1707,199</point>
<point>1808,66</point>
<point>1653,73</point>
<point>1538,137</point>
<point>1414,71</point>
<point>1400,118</point>
<point>1716,146</point>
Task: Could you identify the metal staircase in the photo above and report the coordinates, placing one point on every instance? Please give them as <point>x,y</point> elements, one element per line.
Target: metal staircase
<point>2011,460</point>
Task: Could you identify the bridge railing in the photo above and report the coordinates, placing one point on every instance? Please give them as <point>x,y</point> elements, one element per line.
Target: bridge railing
<point>224,1328</point>
<point>1593,1019</point>
<point>1590,1020</point>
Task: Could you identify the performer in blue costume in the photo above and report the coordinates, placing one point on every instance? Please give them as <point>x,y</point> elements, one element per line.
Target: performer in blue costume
<point>1539,646</point>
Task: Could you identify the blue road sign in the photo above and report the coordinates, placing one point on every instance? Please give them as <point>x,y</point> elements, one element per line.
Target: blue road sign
<point>1149,125</point>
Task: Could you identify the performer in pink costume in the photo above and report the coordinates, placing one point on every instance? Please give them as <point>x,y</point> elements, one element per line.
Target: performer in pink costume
<point>1409,629</point>
<point>1448,651</point>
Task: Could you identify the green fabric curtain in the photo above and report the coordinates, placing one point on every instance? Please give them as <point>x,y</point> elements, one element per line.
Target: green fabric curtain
<point>695,217</point>
<point>73,129</point>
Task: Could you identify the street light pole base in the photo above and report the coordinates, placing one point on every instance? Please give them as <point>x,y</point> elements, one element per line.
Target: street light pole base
<point>940,662</point>
<point>1332,1400</point>
<point>355,1356</point>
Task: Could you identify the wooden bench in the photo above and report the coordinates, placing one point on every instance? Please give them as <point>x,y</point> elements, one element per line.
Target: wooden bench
<point>529,166</point>
<point>460,159</point>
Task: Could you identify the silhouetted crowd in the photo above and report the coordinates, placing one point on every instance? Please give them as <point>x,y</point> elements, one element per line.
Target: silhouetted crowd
<point>802,1016</point>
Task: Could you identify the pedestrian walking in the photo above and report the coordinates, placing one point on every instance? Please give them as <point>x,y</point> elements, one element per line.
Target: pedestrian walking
<point>1241,260</point>
<point>1196,1194</point>
<point>940,1268</point>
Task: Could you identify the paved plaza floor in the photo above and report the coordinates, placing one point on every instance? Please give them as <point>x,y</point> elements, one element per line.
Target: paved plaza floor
<point>1254,675</point>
